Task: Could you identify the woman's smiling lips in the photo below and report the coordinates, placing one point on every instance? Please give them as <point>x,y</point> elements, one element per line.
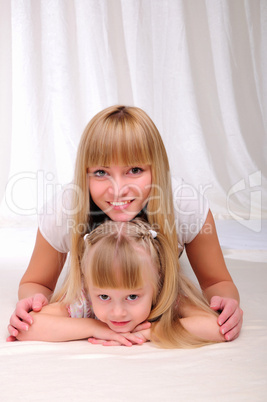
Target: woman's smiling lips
<point>119,204</point>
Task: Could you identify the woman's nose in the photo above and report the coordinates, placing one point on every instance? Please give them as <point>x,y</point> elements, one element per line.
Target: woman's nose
<point>118,187</point>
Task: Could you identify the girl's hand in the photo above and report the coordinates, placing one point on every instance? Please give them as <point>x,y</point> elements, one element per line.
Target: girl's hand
<point>21,319</point>
<point>112,338</point>
<point>143,334</point>
<point>125,339</point>
<point>231,317</point>
<point>102,334</point>
<point>142,326</point>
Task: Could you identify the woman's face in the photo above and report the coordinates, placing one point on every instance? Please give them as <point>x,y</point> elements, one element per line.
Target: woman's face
<point>121,192</point>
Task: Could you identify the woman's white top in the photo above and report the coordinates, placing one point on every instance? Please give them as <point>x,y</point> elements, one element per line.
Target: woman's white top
<point>190,208</point>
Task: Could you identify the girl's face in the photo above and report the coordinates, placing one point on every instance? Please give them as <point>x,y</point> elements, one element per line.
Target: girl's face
<point>122,309</point>
<point>121,192</point>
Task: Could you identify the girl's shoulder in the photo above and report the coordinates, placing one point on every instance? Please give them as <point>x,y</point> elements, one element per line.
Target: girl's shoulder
<point>82,307</point>
<point>55,308</point>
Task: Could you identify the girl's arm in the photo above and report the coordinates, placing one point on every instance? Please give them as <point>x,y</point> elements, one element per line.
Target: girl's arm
<point>200,323</point>
<point>206,259</point>
<point>37,284</point>
<point>204,327</point>
<point>53,324</point>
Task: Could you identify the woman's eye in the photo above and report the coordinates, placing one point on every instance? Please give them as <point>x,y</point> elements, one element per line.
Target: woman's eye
<point>99,173</point>
<point>104,297</point>
<point>136,170</point>
<point>132,297</point>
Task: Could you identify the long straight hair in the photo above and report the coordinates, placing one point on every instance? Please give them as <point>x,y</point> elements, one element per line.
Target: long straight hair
<point>119,135</point>
<point>125,255</point>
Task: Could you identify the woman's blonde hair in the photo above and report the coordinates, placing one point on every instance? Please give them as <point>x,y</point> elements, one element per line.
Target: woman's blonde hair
<point>127,136</point>
<point>116,256</point>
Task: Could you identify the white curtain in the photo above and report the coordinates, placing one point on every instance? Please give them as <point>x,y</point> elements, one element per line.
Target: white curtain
<point>198,68</point>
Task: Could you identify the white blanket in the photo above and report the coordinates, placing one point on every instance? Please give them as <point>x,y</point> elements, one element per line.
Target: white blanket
<point>79,371</point>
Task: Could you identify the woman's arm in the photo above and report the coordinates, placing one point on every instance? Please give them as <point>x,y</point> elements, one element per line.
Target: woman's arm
<point>206,259</point>
<point>43,271</point>
<point>37,284</point>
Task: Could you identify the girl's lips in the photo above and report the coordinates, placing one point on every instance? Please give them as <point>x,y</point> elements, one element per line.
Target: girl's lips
<point>119,323</point>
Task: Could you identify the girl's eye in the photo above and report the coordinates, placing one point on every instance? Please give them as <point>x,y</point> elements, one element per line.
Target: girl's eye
<point>104,297</point>
<point>136,170</point>
<point>132,297</point>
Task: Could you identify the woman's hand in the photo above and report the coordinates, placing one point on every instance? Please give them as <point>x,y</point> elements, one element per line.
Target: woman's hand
<point>21,319</point>
<point>231,317</point>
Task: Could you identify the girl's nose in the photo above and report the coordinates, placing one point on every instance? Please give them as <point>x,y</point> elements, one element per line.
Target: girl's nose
<point>118,311</point>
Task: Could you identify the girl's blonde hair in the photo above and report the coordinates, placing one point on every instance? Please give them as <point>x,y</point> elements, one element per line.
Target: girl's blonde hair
<point>127,136</point>
<point>114,258</point>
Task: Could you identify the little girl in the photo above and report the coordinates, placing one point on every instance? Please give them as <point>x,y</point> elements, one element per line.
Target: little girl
<point>122,172</point>
<point>130,274</point>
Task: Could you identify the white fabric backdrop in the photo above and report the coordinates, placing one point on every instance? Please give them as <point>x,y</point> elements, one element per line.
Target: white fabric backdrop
<point>198,68</point>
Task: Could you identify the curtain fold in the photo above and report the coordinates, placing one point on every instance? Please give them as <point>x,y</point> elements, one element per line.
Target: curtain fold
<point>198,68</point>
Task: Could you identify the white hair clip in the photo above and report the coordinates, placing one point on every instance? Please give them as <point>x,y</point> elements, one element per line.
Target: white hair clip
<point>153,233</point>
<point>85,236</point>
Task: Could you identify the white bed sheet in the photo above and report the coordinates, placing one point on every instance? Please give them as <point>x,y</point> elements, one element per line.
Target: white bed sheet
<point>79,371</point>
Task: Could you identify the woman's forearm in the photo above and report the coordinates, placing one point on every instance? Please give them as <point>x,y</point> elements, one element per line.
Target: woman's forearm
<point>29,289</point>
<point>223,289</point>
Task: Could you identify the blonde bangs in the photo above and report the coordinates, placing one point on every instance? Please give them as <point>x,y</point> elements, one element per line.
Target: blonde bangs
<point>115,267</point>
<point>121,141</point>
